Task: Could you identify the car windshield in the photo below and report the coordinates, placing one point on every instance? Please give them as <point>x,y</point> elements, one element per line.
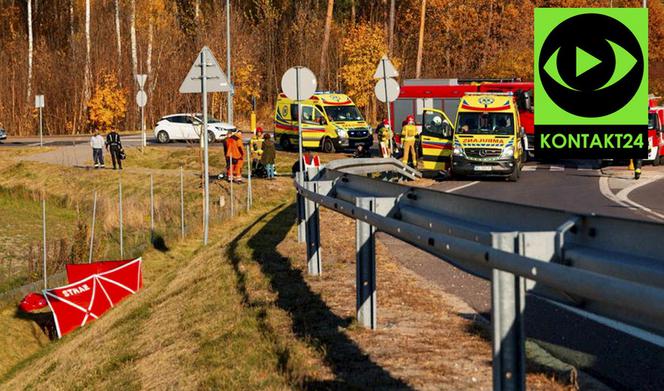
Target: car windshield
<point>652,120</point>
<point>343,113</point>
<point>486,123</point>
<point>210,120</point>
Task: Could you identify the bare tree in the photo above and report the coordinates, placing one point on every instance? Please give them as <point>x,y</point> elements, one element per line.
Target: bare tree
<point>420,45</point>
<point>326,38</point>
<point>134,50</point>
<point>352,12</point>
<point>88,72</point>
<point>391,33</point>
<point>30,45</point>
<point>117,30</point>
<point>71,25</point>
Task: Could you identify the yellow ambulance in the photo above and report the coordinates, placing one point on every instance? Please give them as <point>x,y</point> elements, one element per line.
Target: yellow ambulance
<point>330,122</point>
<point>489,138</point>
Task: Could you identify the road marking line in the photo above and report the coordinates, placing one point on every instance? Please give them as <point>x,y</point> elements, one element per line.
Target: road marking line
<point>529,168</point>
<point>557,168</point>
<point>622,197</point>
<point>452,190</point>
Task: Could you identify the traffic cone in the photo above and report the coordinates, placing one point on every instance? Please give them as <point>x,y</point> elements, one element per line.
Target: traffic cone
<point>631,165</point>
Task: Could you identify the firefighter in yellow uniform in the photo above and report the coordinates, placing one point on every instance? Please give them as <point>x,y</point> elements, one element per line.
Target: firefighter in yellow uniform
<point>408,134</point>
<point>384,132</point>
<point>256,145</point>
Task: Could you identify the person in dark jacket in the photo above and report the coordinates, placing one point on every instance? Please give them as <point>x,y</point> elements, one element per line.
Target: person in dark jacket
<point>269,155</point>
<point>114,145</point>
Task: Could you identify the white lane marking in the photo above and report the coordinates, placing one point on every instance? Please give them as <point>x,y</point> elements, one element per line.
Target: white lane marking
<point>557,168</point>
<point>452,190</point>
<point>623,200</point>
<point>623,195</point>
<point>529,168</point>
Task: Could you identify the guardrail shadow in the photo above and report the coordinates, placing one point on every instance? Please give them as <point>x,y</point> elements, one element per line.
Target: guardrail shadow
<point>312,319</point>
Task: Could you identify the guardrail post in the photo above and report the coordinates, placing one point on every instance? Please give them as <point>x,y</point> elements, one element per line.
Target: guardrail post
<point>365,242</point>
<point>312,223</point>
<point>301,230</point>
<point>508,303</point>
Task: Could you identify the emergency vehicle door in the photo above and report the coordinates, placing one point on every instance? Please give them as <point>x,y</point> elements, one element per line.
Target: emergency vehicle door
<point>312,129</point>
<point>436,140</point>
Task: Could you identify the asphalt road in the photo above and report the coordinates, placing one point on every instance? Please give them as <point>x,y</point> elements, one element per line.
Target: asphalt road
<point>618,359</point>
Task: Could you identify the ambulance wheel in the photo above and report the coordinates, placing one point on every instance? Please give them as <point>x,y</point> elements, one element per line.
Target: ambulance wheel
<point>284,143</point>
<point>162,137</point>
<point>327,146</point>
<point>514,176</point>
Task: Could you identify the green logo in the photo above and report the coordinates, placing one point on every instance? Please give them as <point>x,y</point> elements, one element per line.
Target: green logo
<point>591,71</point>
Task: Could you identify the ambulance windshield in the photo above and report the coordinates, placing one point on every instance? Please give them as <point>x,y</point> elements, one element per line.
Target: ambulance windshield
<point>343,113</point>
<point>486,123</point>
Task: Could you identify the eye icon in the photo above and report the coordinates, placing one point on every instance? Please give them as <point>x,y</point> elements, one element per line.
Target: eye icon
<point>591,65</point>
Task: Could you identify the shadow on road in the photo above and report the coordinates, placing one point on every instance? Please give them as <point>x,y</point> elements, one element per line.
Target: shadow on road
<point>312,320</point>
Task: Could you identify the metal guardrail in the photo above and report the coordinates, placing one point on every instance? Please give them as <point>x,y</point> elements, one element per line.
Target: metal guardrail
<point>606,267</point>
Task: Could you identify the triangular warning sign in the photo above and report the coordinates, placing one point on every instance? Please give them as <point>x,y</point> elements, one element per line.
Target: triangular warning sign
<point>215,79</point>
<point>385,69</point>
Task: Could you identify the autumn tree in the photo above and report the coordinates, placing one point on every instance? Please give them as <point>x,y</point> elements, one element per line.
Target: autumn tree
<point>360,64</point>
<point>108,105</point>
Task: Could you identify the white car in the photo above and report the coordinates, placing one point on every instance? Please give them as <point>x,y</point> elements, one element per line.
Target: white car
<point>188,127</point>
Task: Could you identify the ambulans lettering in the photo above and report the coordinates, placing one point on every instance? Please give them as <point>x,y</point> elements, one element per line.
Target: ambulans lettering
<point>75,291</point>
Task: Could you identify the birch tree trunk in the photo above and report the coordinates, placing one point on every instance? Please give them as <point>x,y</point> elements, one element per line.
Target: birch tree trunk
<point>148,61</point>
<point>88,72</point>
<point>117,31</point>
<point>71,25</point>
<point>352,12</point>
<point>420,45</point>
<point>326,39</point>
<point>391,33</point>
<point>30,42</point>
<point>134,52</point>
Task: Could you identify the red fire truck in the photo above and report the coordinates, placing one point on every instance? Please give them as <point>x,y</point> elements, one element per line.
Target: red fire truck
<point>445,94</point>
<point>655,131</point>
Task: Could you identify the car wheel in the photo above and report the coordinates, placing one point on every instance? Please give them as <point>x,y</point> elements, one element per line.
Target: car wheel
<point>516,173</point>
<point>163,137</point>
<point>211,137</point>
<point>284,143</point>
<point>327,146</point>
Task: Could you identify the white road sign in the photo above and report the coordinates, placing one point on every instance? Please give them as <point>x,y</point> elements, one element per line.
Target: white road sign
<point>39,101</point>
<point>387,85</point>
<point>299,83</point>
<point>216,80</point>
<point>140,79</point>
<point>385,69</point>
<point>141,98</point>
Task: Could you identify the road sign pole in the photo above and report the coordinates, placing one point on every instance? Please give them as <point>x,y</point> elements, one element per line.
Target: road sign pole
<point>92,230</point>
<point>299,124</point>
<point>151,209</point>
<point>41,127</point>
<point>145,141</point>
<point>387,103</point>
<point>204,135</point>
<point>44,239</point>
<point>228,61</point>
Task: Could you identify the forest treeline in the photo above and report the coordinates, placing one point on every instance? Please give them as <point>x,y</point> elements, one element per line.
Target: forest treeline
<point>83,54</point>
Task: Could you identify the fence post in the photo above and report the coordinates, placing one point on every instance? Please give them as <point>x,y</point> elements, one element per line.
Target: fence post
<point>312,222</point>
<point>44,239</point>
<point>301,230</point>
<point>365,275</point>
<point>232,178</point>
<point>120,215</point>
<point>181,202</point>
<point>151,209</point>
<point>92,231</point>
<point>250,198</point>
<point>507,308</point>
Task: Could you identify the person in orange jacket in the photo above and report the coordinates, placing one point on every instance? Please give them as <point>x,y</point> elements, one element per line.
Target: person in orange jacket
<point>235,156</point>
